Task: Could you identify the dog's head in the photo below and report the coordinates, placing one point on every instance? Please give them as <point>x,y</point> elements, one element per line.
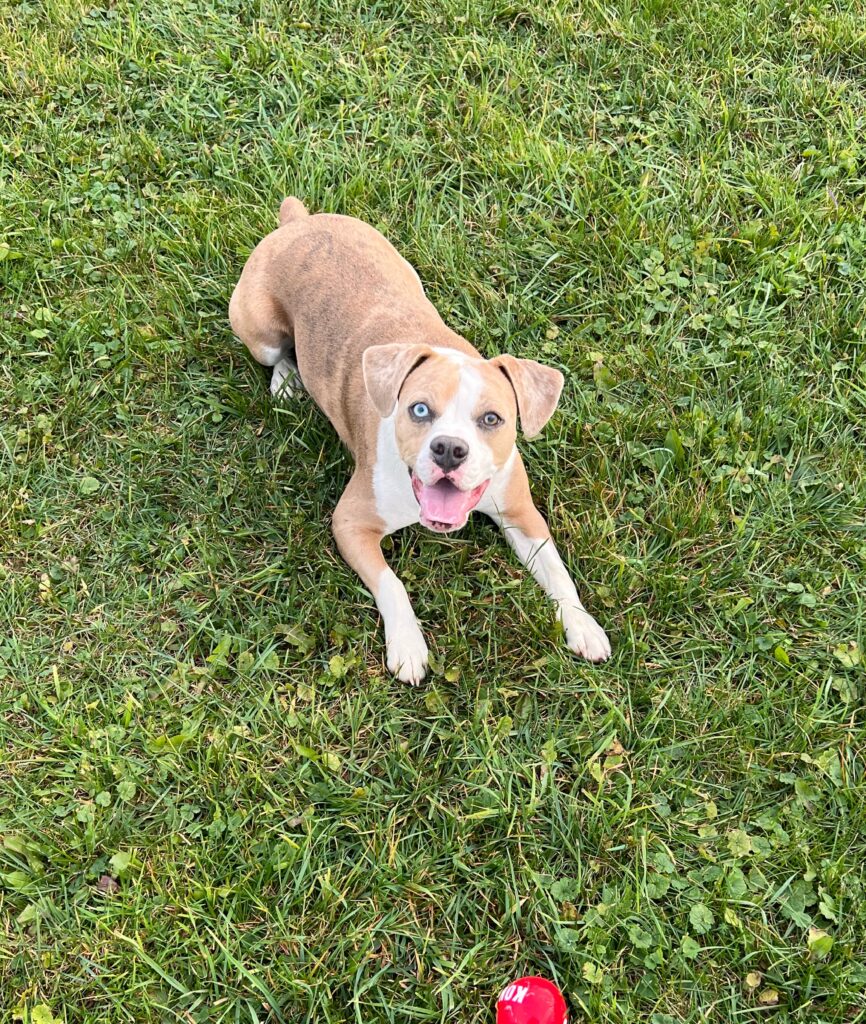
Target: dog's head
<point>455,419</point>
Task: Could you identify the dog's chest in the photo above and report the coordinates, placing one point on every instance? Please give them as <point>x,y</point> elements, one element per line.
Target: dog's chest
<point>396,504</point>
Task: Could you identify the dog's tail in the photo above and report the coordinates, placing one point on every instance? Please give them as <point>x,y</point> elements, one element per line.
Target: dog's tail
<point>292,209</point>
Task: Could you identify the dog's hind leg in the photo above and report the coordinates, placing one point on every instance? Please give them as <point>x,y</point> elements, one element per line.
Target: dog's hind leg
<point>285,380</point>
<point>258,326</point>
<point>265,334</point>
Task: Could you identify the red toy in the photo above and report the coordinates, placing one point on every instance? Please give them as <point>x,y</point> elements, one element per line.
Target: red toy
<point>531,1001</point>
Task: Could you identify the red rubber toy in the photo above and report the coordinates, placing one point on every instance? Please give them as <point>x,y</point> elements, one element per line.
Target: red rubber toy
<point>531,1001</point>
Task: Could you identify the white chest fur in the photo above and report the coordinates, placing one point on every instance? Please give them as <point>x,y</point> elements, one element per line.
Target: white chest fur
<point>396,505</point>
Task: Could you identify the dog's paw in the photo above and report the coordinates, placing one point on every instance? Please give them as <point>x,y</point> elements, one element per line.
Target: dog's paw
<point>407,653</point>
<point>584,635</point>
<point>285,382</point>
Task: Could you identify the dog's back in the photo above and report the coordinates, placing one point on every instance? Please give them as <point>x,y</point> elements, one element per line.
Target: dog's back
<point>320,290</point>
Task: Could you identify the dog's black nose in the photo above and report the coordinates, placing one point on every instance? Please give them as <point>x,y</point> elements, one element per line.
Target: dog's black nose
<point>448,452</point>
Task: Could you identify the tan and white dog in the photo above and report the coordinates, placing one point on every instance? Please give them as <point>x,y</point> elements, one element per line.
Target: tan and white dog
<point>327,301</point>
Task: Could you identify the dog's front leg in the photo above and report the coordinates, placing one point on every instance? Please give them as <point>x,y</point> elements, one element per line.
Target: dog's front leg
<point>529,537</point>
<point>358,533</point>
<point>527,533</point>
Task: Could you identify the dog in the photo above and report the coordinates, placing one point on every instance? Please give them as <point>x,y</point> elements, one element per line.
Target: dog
<point>331,306</point>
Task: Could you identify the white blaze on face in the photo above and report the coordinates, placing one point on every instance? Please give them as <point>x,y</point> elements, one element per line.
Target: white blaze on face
<point>458,420</point>
<point>458,389</point>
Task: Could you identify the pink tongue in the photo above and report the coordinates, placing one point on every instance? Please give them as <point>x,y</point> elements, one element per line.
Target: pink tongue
<point>444,503</point>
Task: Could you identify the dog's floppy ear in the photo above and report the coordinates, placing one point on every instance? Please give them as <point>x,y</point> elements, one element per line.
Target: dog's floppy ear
<point>537,389</point>
<point>386,367</point>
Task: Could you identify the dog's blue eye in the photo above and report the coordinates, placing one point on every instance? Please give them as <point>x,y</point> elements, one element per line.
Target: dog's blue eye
<point>419,411</point>
<point>491,419</point>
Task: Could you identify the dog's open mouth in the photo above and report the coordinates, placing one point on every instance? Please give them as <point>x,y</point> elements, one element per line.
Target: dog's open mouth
<point>445,507</point>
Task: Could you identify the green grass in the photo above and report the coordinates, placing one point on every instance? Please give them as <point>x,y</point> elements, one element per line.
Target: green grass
<point>666,200</point>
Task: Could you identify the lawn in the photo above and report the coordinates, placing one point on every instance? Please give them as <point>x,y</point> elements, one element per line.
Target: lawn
<point>215,804</point>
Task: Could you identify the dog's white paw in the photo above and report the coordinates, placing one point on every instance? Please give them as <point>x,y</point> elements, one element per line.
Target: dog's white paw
<point>285,382</point>
<point>583,634</point>
<point>407,653</point>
